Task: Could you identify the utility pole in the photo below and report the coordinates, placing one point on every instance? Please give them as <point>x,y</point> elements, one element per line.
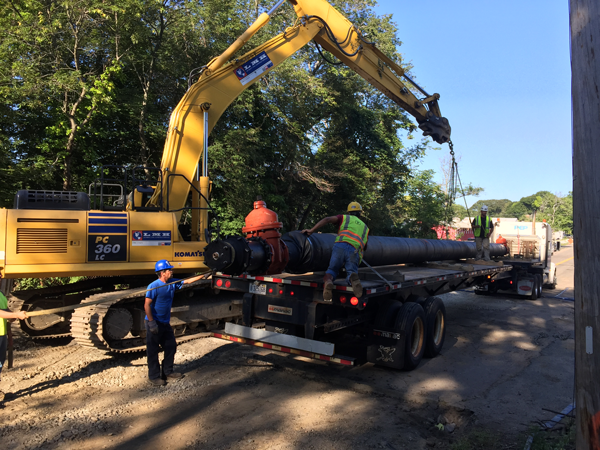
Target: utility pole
<point>585,90</point>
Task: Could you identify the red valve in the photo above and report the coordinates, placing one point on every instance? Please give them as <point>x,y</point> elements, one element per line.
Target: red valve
<point>264,223</point>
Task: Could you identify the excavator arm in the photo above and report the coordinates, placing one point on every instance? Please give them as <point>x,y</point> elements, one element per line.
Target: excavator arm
<point>224,79</point>
<point>342,39</point>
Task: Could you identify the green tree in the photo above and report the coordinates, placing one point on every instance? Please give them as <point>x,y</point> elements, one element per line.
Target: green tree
<point>58,66</point>
<point>563,217</point>
<point>496,208</point>
<point>311,137</point>
<point>421,208</point>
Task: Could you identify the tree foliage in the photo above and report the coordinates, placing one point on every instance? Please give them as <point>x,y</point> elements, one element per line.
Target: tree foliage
<point>91,83</point>
<point>555,209</point>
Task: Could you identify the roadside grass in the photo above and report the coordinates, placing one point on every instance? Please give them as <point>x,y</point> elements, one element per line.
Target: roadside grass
<point>478,439</point>
<point>481,439</point>
<point>548,440</point>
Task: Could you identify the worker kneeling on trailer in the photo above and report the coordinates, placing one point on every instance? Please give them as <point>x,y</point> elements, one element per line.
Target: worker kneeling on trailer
<point>159,299</point>
<point>348,249</point>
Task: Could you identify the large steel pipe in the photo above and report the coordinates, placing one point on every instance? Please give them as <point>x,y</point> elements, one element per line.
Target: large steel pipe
<point>312,254</point>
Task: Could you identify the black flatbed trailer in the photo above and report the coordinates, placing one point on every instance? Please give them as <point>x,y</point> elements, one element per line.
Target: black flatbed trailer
<point>399,319</point>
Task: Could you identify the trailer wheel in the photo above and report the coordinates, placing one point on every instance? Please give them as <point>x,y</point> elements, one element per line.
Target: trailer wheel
<point>534,290</point>
<point>387,313</point>
<point>411,322</point>
<point>435,326</point>
<point>540,282</point>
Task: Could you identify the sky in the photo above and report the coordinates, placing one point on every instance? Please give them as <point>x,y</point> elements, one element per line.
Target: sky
<point>502,69</point>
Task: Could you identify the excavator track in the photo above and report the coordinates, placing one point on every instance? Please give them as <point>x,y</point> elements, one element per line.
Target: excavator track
<point>111,325</point>
<point>57,325</point>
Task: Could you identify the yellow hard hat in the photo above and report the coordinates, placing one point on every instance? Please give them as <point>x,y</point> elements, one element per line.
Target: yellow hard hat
<point>354,206</point>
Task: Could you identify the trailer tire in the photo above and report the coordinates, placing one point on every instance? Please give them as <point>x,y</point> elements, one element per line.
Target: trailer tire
<point>534,290</point>
<point>540,283</point>
<point>387,313</point>
<point>435,326</point>
<point>411,322</point>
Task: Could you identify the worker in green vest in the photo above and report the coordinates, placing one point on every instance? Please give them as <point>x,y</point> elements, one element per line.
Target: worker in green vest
<point>5,316</point>
<point>348,249</point>
<point>482,229</point>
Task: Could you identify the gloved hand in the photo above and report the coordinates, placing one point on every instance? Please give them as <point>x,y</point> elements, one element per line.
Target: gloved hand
<point>153,326</point>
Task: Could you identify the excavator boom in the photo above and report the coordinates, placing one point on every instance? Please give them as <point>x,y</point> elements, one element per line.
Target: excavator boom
<point>223,80</point>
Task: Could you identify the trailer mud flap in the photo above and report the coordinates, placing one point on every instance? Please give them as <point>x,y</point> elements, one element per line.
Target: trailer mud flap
<point>386,348</point>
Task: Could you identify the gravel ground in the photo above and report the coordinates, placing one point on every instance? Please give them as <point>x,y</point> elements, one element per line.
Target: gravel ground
<point>60,395</point>
<point>504,361</point>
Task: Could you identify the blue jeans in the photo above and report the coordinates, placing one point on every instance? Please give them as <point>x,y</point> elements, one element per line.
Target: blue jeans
<point>343,255</point>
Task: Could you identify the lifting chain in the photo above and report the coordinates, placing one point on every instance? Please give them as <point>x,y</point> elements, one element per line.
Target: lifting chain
<point>454,184</point>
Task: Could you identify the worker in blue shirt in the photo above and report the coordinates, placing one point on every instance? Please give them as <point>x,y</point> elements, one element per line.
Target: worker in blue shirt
<point>159,299</point>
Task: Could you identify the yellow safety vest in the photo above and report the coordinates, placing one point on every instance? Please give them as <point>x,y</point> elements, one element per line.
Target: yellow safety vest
<point>477,231</point>
<point>3,322</point>
<point>354,232</point>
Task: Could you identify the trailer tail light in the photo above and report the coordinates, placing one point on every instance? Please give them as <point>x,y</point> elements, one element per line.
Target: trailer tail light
<point>343,299</point>
<point>354,301</point>
<point>291,292</point>
<point>228,284</point>
<point>510,281</point>
<point>219,282</point>
<point>280,291</point>
<point>270,290</point>
<point>364,303</point>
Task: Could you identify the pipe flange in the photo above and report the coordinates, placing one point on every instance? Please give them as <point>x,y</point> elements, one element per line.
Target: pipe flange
<point>268,255</point>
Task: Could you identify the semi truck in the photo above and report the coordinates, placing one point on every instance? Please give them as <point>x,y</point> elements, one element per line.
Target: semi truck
<point>529,247</point>
<point>113,234</point>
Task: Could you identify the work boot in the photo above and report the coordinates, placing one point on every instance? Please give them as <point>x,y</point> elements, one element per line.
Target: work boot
<point>157,382</point>
<point>174,376</point>
<point>328,290</point>
<point>356,286</point>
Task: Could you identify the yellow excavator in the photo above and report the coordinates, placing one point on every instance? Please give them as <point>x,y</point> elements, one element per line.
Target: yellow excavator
<point>130,218</point>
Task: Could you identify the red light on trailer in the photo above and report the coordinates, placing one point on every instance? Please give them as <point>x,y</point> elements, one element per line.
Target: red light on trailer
<point>280,291</point>
<point>270,290</point>
<point>228,284</point>
<point>364,304</point>
<point>510,281</point>
<point>354,301</point>
<point>219,283</point>
<point>291,292</point>
<point>343,299</point>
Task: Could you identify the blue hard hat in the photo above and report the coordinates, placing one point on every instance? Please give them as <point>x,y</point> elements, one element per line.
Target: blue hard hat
<point>162,265</point>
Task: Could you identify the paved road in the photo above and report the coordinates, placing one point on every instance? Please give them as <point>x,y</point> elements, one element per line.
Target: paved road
<point>565,270</point>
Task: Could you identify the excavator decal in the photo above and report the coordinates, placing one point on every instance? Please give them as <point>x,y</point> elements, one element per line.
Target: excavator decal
<point>253,68</point>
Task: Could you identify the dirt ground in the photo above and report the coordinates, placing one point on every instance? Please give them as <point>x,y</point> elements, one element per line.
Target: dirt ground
<point>507,363</point>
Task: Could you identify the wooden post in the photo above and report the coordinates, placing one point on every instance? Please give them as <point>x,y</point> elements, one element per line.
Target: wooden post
<point>585,90</point>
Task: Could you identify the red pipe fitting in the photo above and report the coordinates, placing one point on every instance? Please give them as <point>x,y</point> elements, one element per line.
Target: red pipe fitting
<point>262,223</point>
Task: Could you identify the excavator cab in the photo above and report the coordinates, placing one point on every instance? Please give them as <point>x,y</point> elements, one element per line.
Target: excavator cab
<point>122,189</point>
